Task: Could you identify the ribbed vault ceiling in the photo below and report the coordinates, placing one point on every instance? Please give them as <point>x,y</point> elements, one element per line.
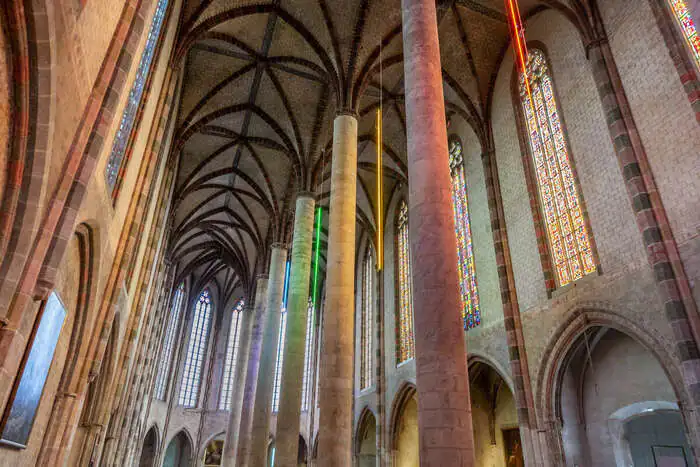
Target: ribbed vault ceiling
<point>262,84</point>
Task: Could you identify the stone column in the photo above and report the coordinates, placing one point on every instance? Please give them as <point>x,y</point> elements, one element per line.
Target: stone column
<point>444,406</point>
<point>287,438</point>
<point>248,356</point>
<point>336,381</point>
<point>257,454</point>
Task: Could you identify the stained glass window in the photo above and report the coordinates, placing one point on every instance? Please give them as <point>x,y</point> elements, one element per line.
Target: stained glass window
<point>196,350</point>
<point>366,321</point>
<point>280,362</point>
<point>166,353</point>
<point>234,336</point>
<point>405,342</point>
<point>690,33</point>
<point>126,125</point>
<point>466,266</point>
<point>568,236</point>
<point>308,357</point>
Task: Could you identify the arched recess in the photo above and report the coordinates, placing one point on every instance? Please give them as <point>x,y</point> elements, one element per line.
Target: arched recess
<point>497,440</point>
<point>302,453</point>
<point>213,451</point>
<point>599,367</point>
<point>403,427</point>
<point>28,35</point>
<point>366,439</point>
<point>179,451</point>
<point>65,414</point>
<point>149,450</point>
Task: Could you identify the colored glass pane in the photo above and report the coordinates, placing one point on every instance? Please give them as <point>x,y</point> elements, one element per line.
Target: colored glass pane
<point>405,342</point>
<point>126,125</point>
<point>166,353</point>
<point>366,318</point>
<point>466,266</point>
<point>232,347</point>
<point>196,350</point>
<point>280,362</point>
<point>568,236</point>
<point>690,33</point>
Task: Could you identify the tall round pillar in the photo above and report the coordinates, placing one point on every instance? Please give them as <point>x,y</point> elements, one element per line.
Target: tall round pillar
<point>257,454</point>
<point>287,439</point>
<point>250,344</point>
<point>444,406</point>
<point>336,382</point>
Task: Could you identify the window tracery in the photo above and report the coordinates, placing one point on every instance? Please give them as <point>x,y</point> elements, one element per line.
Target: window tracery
<point>405,342</point>
<point>466,266</point>
<point>685,22</point>
<point>308,356</point>
<point>568,236</point>
<point>196,350</point>
<point>231,358</point>
<point>366,325</point>
<point>166,353</point>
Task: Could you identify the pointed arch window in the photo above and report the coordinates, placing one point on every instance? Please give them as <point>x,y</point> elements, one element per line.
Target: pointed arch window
<point>166,353</point>
<point>685,22</point>
<point>234,337</point>
<point>196,350</point>
<point>280,362</point>
<point>471,311</point>
<point>405,343</point>
<point>569,241</point>
<point>308,356</point>
<point>126,125</point>
<point>366,325</point>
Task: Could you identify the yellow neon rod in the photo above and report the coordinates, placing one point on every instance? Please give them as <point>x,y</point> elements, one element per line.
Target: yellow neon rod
<point>380,200</point>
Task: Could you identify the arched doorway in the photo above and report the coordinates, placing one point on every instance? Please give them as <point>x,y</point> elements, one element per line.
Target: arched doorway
<point>302,453</point>
<point>150,448</point>
<point>495,420</point>
<point>615,404</point>
<point>404,428</point>
<point>178,452</point>
<point>366,440</point>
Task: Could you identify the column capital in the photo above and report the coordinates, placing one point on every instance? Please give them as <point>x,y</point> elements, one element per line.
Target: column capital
<point>279,246</point>
<point>262,276</point>
<point>306,194</point>
<point>346,113</point>
<point>595,43</point>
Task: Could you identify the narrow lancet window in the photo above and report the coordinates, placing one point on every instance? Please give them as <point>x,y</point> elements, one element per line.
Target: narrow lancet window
<point>466,266</point>
<point>196,351</point>
<point>308,356</point>
<point>367,320</point>
<point>280,362</point>
<point>166,353</point>
<point>405,343</point>
<point>569,242</point>
<point>126,125</point>
<point>234,337</point>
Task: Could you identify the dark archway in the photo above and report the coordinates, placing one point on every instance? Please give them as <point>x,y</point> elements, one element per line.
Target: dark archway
<point>366,439</point>
<point>150,448</point>
<point>303,452</point>
<point>179,451</point>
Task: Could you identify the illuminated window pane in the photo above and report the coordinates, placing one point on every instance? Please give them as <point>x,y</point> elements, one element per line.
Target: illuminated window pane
<point>280,362</point>
<point>308,357</point>
<point>559,197</point>
<point>405,342</point>
<point>126,124</point>
<point>166,353</point>
<point>687,26</point>
<point>196,350</point>
<point>465,254</point>
<point>234,336</point>
<point>366,318</point>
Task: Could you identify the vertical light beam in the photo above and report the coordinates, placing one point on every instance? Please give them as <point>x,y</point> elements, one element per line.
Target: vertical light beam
<point>380,195</point>
<point>285,292</point>
<point>317,255</point>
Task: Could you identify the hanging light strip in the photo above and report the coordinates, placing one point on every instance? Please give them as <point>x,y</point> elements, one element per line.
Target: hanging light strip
<point>380,171</point>
<point>317,256</point>
<point>517,32</point>
<point>285,291</point>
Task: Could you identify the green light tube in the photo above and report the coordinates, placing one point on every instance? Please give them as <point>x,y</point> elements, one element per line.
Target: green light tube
<point>317,255</point>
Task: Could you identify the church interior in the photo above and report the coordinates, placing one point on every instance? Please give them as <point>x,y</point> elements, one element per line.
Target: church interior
<point>350,233</point>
